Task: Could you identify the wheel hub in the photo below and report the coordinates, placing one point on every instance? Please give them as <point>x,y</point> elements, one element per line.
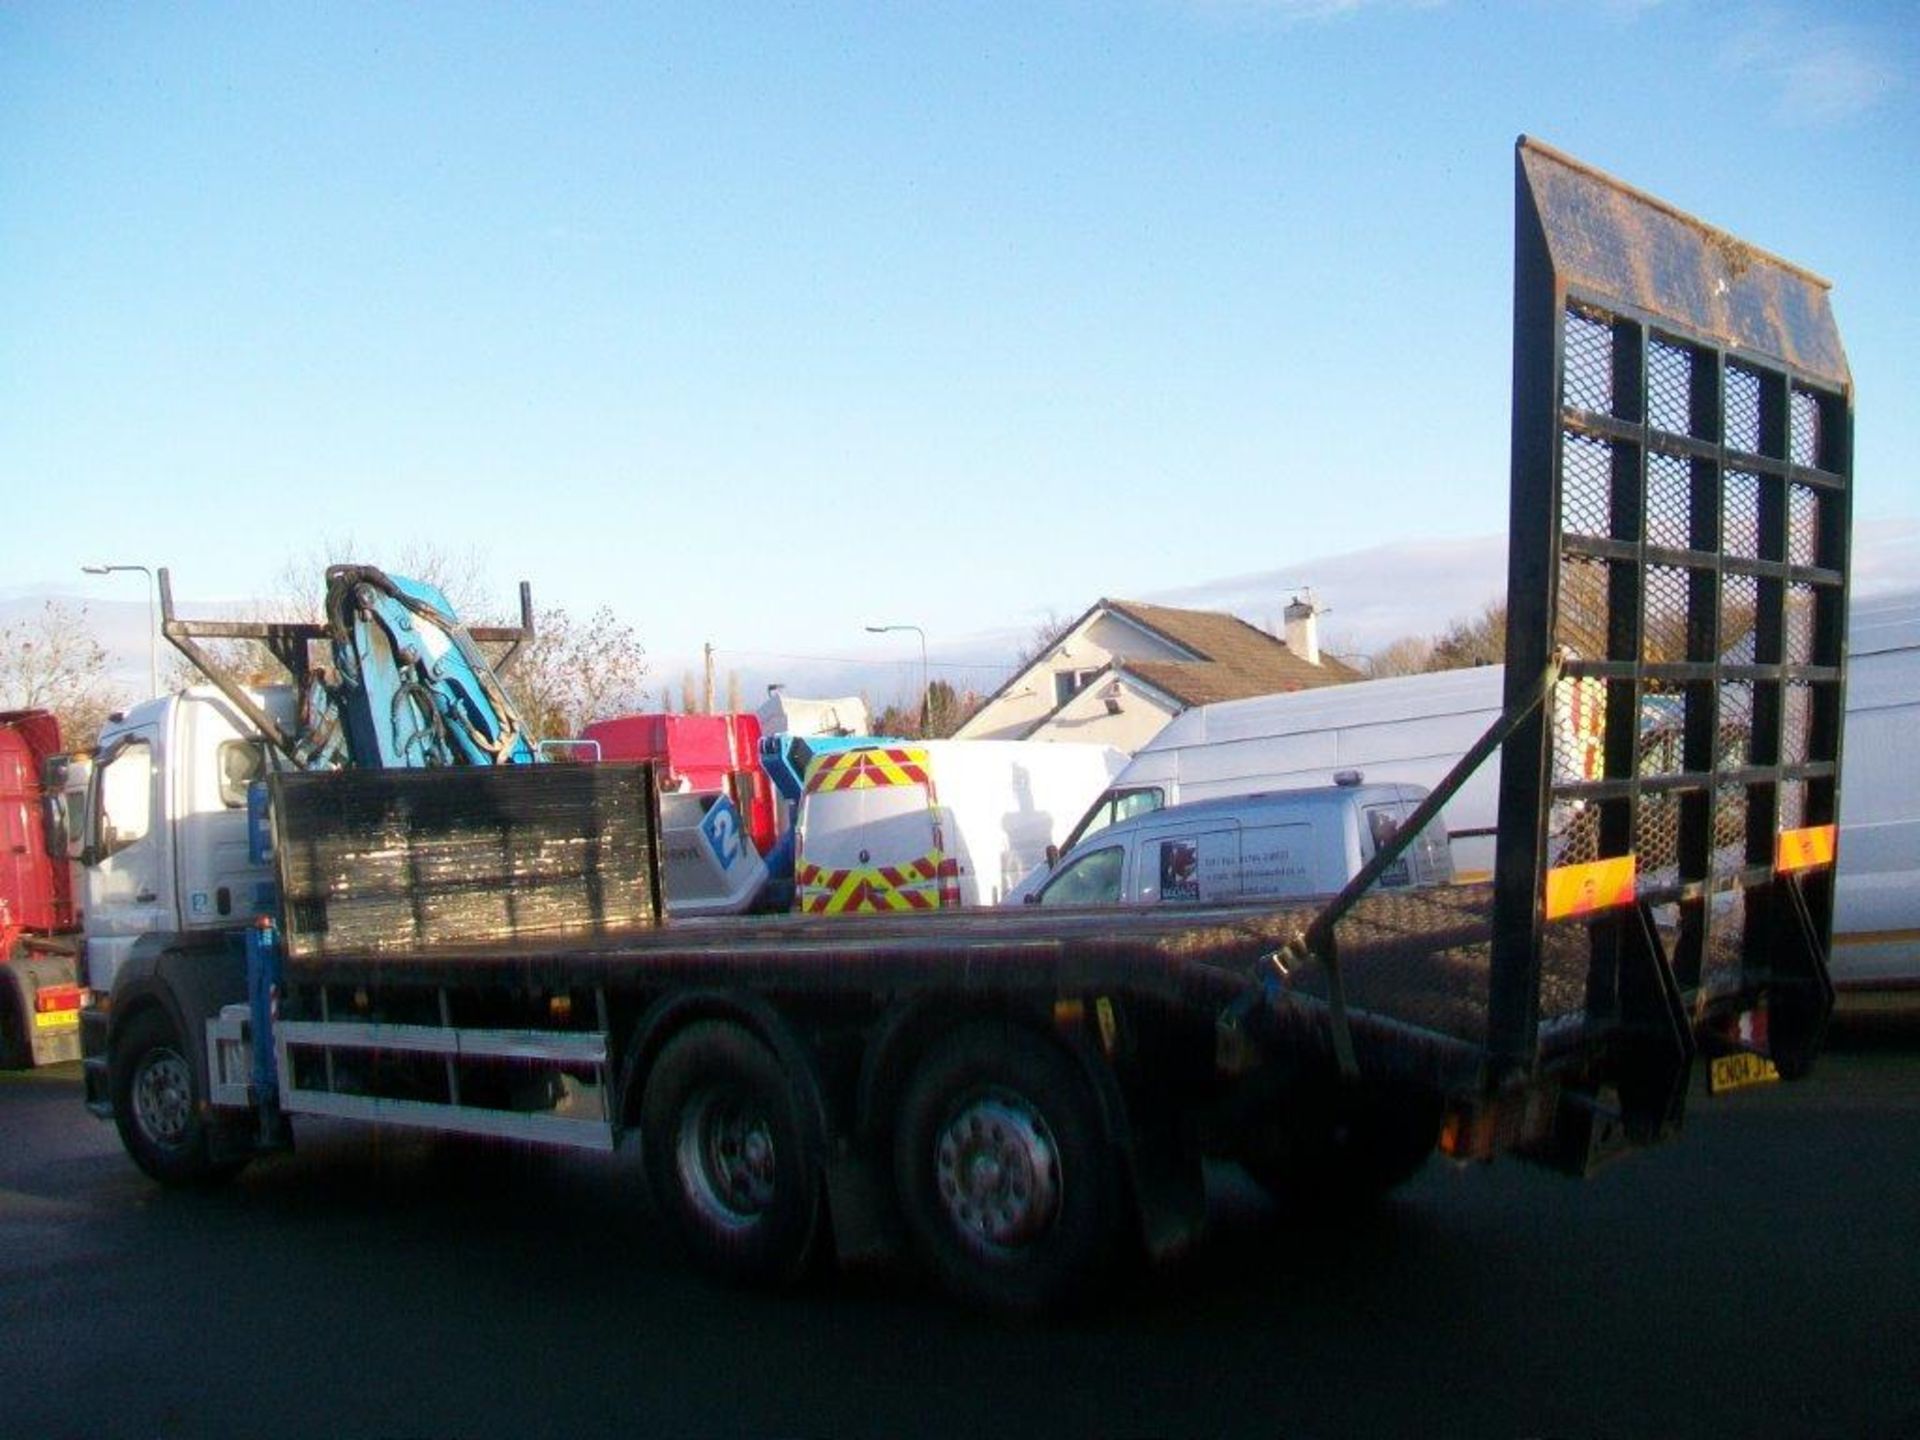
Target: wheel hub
<point>999,1172</point>
<point>163,1098</point>
<point>725,1157</point>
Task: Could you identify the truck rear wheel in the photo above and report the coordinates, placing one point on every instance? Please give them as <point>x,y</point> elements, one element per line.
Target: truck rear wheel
<point>157,1105</point>
<point>1003,1171</point>
<point>1340,1147</point>
<point>727,1155</point>
<point>16,1048</point>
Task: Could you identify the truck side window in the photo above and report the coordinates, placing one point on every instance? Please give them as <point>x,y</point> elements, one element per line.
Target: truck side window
<point>126,798</point>
<point>241,763</point>
<point>1091,880</point>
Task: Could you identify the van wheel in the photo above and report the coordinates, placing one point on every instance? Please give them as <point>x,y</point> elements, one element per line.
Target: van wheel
<point>1003,1172</point>
<point>727,1155</point>
<point>1341,1147</point>
<point>158,1108</point>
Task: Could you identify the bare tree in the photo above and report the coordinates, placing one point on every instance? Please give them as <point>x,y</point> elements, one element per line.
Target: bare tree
<point>1046,633</point>
<point>1481,640</point>
<point>1409,655</point>
<point>946,711</point>
<point>299,594</point>
<point>575,672</point>
<point>51,661</point>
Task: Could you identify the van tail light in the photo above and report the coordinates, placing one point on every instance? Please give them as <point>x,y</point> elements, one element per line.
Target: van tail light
<point>949,883</point>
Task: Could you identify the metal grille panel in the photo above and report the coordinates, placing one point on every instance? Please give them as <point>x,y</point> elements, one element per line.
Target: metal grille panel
<point>1587,465</point>
<point>1670,387</point>
<point>1583,607</point>
<point>1804,420</point>
<point>1740,516</point>
<point>1589,362</point>
<point>1742,402</point>
<point>1798,644</point>
<point>1686,421</point>
<point>1664,636</point>
<point>1803,525</point>
<point>1669,502</point>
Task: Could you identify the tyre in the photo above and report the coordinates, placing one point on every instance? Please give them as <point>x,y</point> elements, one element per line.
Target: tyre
<point>1003,1171</point>
<point>16,1050</point>
<point>1341,1148</point>
<point>158,1107</point>
<point>728,1155</point>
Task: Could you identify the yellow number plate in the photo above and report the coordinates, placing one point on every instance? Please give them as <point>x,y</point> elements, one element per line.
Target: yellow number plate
<point>1738,1071</point>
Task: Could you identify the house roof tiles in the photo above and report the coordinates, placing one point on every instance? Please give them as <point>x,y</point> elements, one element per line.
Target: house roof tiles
<point>1237,660</point>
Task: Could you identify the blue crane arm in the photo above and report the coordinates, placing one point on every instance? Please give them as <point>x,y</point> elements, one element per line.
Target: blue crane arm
<point>411,688</point>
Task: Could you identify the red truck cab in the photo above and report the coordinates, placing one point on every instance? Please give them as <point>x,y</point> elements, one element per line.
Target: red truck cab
<point>39,933</point>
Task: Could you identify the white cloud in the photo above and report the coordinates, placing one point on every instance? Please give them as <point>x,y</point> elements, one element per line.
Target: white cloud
<point>1825,73</point>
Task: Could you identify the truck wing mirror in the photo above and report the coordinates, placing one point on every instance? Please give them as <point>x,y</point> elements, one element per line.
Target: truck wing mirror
<point>1053,859</point>
<point>53,828</point>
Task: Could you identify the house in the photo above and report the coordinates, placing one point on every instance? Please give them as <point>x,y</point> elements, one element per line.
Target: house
<point>1124,669</point>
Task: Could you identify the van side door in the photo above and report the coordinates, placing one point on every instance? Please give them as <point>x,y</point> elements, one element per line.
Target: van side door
<point>1278,860</point>
<point>1187,864</point>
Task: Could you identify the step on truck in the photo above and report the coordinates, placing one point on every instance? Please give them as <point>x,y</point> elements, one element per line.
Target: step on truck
<point>1019,1097</point>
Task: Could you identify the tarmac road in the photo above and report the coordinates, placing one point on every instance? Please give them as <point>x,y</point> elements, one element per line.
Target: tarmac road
<point>1759,1277</point>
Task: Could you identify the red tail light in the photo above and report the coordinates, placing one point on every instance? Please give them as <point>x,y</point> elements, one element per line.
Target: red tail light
<point>57,997</point>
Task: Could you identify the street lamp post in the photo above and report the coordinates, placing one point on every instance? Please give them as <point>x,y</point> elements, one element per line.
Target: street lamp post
<point>153,653</point>
<point>926,687</point>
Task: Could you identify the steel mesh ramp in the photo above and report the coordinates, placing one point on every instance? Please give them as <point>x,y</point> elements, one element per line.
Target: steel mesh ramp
<point>1669,751</point>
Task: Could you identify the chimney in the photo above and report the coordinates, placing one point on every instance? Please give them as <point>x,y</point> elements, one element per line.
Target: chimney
<point>1303,631</point>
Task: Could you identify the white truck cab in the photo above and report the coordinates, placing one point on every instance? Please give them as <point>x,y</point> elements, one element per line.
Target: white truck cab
<point>163,851</point>
<point>1278,845</point>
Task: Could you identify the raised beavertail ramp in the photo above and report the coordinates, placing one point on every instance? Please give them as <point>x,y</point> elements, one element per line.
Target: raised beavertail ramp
<point>1682,459</point>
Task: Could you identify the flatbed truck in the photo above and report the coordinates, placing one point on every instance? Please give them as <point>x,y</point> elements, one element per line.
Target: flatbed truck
<point>1019,1097</point>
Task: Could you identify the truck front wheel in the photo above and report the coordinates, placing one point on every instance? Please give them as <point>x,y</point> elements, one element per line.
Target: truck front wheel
<point>1003,1171</point>
<point>157,1105</point>
<point>727,1156</point>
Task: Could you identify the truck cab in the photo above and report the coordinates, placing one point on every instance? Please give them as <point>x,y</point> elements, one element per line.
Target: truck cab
<point>163,851</point>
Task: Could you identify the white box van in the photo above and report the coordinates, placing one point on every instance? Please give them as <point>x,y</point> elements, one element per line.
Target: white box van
<point>1876,899</point>
<point>1280,845</point>
<point>1408,730</point>
<point>938,823</point>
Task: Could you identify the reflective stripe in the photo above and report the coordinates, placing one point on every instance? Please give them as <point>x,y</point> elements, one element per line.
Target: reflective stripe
<point>1583,889</point>
<point>1804,849</point>
<point>867,769</point>
<point>869,891</point>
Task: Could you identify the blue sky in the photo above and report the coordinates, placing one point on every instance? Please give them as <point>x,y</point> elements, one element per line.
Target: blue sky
<point>762,323</point>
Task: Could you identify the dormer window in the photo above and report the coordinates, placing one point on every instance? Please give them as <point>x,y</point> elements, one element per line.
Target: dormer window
<point>1069,683</point>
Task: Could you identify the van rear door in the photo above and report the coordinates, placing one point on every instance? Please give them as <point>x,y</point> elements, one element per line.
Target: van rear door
<point>869,834</point>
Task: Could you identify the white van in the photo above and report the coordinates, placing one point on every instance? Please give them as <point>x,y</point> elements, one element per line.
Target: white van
<point>1408,730</point>
<point>1876,904</point>
<point>1282,845</point>
<point>937,823</point>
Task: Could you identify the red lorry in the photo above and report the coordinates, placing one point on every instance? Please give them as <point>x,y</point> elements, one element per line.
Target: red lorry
<point>39,932</point>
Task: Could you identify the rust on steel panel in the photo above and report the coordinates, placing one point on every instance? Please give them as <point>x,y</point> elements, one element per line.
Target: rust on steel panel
<point>1610,241</point>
